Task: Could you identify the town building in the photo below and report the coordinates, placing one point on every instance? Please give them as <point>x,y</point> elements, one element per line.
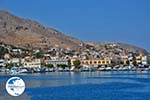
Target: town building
<point>142,59</point>
<point>16,61</point>
<point>34,63</point>
<point>124,59</point>
<point>2,63</point>
<point>96,63</point>
<point>57,62</point>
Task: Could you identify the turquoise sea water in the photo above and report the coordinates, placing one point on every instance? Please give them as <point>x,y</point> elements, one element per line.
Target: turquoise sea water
<point>83,86</point>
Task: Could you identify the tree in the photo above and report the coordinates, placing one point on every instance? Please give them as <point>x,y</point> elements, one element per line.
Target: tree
<point>76,63</point>
<point>3,51</point>
<point>113,63</point>
<point>39,55</point>
<point>121,62</point>
<point>135,63</point>
<point>128,62</point>
<point>50,65</point>
<point>9,65</point>
<point>62,65</point>
<point>69,63</point>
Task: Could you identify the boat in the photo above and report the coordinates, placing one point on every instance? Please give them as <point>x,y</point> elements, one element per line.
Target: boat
<point>114,68</point>
<point>51,69</point>
<point>25,70</point>
<point>72,69</point>
<point>67,69</point>
<point>60,69</point>
<point>4,70</point>
<point>133,68</point>
<point>120,69</point>
<point>84,69</point>
<point>108,68</point>
<point>125,68</point>
<point>14,70</point>
<point>102,68</point>
<point>39,70</point>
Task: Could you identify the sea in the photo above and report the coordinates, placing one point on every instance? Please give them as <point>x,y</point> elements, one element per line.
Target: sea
<point>113,85</point>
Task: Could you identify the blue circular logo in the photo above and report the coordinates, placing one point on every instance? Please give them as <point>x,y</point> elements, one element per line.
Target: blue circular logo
<point>15,86</point>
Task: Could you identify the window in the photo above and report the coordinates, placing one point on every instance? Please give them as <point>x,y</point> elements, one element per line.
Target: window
<point>99,62</point>
<point>90,62</point>
<point>82,62</point>
<point>103,62</point>
<point>86,62</point>
<point>107,62</point>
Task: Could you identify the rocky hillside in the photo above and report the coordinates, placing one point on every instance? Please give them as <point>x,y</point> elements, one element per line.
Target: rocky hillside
<point>126,47</point>
<point>26,33</point>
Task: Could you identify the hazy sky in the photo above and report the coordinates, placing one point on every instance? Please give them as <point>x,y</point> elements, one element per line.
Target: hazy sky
<point>125,21</point>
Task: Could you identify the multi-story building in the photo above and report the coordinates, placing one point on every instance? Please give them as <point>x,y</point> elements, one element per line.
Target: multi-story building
<point>2,63</point>
<point>144,60</point>
<point>16,61</point>
<point>57,62</point>
<point>96,63</point>
<point>124,59</point>
<point>34,63</point>
<point>141,59</point>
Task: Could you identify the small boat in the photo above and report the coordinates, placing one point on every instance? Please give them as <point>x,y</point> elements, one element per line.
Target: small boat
<point>4,70</point>
<point>67,69</point>
<point>72,69</point>
<point>14,70</point>
<point>38,70</point>
<point>114,68</point>
<point>120,69</point>
<point>133,68</point>
<point>60,69</point>
<point>108,68</point>
<point>102,68</point>
<point>84,69</point>
<point>25,70</point>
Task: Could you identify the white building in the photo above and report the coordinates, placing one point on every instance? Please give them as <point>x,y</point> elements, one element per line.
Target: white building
<point>56,62</point>
<point>15,61</point>
<point>36,63</point>
<point>144,60</point>
<point>2,62</point>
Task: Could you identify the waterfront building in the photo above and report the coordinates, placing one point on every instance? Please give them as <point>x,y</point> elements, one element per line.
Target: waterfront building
<point>2,63</point>
<point>17,50</point>
<point>130,58</point>
<point>34,63</point>
<point>96,63</point>
<point>16,61</point>
<point>124,59</point>
<point>141,59</point>
<point>57,62</point>
<point>7,56</point>
<point>144,60</point>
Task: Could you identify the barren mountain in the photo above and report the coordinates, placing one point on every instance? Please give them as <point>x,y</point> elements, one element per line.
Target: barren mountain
<point>26,33</point>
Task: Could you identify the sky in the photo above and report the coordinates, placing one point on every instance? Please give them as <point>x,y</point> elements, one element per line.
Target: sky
<point>126,21</point>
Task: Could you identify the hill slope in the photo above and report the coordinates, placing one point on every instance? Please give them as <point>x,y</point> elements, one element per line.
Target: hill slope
<point>26,33</point>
